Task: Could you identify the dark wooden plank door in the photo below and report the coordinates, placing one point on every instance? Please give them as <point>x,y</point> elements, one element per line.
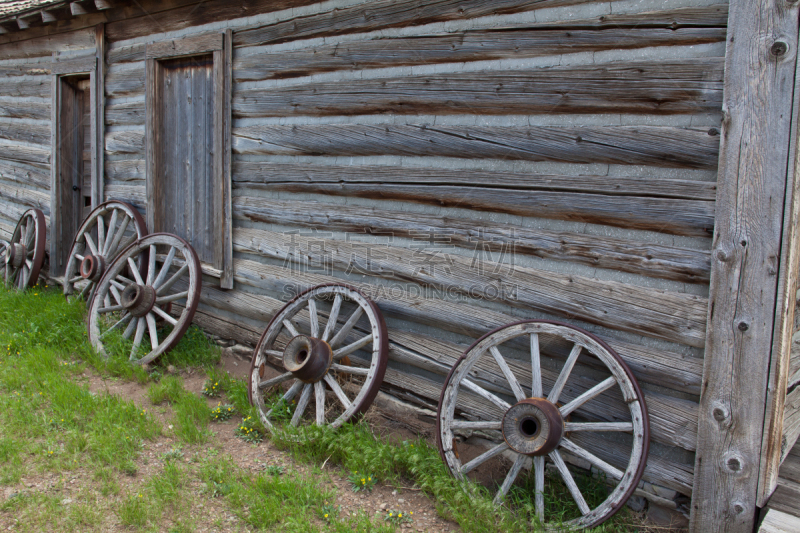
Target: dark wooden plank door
<point>186,154</point>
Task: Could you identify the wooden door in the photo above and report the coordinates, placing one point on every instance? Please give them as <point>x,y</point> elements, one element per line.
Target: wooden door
<point>185,155</point>
<point>73,172</point>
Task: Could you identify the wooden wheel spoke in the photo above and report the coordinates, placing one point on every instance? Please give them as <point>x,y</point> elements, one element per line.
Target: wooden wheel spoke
<point>558,386</point>
<point>112,225</point>
<point>29,264</point>
<point>86,288</point>
<point>30,232</point>
<point>313,317</point>
<point>337,390</point>
<point>166,316</point>
<point>165,266</point>
<point>130,329</point>
<point>151,265</point>
<point>485,456</point>
<point>538,485</point>
<point>117,284</point>
<point>621,427</point>
<point>135,271</point>
<point>106,300</point>
<point>333,318</point>
<point>111,308</point>
<point>115,293</point>
<point>342,334</point>
<point>344,369</point>
<point>519,462</point>
<point>483,393</point>
<point>101,233</point>
<point>122,321</point>
<point>137,339</point>
<point>152,331</point>
<point>536,368</point>
<point>90,243</point>
<point>569,481</point>
<point>114,245</point>
<point>464,424</point>
<point>75,279</point>
<point>512,380</point>
<point>319,396</point>
<point>577,451</point>
<point>292,330</point>
<point>267,383</point>
<point>302,403</point>
<point>293,390</point>
<point>167,285</point>
<point>172,297</point>
<point>588,395</point>
<point>350,348</point>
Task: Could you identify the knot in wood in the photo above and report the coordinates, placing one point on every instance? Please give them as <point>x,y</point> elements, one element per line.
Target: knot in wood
<point>779,48</point>
<point>743,326</point>
<point>733,463</point>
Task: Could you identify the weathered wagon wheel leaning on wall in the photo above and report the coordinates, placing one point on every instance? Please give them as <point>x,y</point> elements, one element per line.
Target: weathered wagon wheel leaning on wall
<point>110,228</point>
<point>331,341</point>
<point>3,248</point>
<point>24,255</point>
<point>171,280</point>
<point>533,427</point>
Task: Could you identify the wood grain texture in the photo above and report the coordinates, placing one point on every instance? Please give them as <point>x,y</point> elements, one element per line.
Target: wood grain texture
<point>473,45</point>
<point>186,46</point>
<point>13,130</point>
<point>125,142</point>
<point>99,121</point>
<point>747,247</point>
<point>385,14</point>
<point>690,266</point>
<point>226,281</point>
<point>778,522</point>
<point>25,174</point>
<point>46,44</point>
<point>37,86</point>
<point>267,173</point>
<point>126,54</point>
<point>627,145</point>
<point>125,114</point>
<point>661,314</point>
<point>23,153</point>
<point>125,82</point>
<point>667,87</point>
<point>791,422</point>
<point>72,66</point>
<point>679,217</point>
<point>16,108</point>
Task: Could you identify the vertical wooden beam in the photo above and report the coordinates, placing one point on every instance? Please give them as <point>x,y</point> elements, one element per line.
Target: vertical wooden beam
<point>219,158</point>
<point>773,441</point>
<point>99,119</point>
<point>152,138</point>
<point>226,281</point>
<point>55,189</point>
<point>760,65</point>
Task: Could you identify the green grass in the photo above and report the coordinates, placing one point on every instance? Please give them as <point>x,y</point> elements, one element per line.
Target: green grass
<point>51,424</point>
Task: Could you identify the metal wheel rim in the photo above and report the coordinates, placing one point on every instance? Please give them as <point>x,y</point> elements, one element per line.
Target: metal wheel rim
<point>377,364</point>
<point>162,281</point>
<point>32,229</point>
<point>629,479</point>
<point>111,245</point>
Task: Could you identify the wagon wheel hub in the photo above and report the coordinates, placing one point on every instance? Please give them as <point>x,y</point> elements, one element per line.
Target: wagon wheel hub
<point>93,267</point>
<point>533,426</point>
<point>16,254</point>
<point>307,358</point>
<point>138,299</point>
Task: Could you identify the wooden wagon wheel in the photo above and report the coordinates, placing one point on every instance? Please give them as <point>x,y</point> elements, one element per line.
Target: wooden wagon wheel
<point>319,357</point>
<point>537,428</point>
<point>134,306</point>
<point>99,240</point>
<point>24,255</point>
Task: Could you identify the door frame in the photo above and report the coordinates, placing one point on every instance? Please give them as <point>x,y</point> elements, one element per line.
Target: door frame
<point>219,45</point>
<point>59,70</point>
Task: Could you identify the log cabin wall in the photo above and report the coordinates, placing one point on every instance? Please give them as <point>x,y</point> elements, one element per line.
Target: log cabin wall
<point>25,120</point>
<point>470,165</point>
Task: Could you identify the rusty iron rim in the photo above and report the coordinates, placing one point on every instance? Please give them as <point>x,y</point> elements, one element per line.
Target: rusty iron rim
<point>638,473</point>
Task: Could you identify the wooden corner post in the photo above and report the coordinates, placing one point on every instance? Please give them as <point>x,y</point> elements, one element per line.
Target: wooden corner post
<point>760,62</point>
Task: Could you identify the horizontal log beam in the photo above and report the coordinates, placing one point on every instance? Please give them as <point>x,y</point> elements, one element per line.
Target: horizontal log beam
<point>667,87</point>
<point>13,130</point>
<point>668,262</point>
<point>627,145</point>
<point>14,108</point>
<point>533,40</point>
<point>656,313</point>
